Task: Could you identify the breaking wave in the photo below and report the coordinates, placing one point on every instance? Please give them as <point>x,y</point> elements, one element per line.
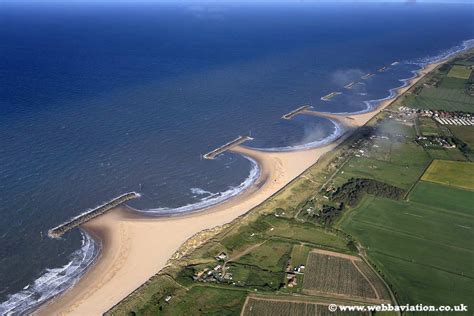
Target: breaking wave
<point>53,281</point>
<point>212,198</point>
<point>338,131</point>
<point>373,104</point>
<point>421,63</point>
<point>467,44</point>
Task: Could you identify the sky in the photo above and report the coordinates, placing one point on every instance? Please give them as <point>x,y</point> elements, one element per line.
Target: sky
<point>261,1</point>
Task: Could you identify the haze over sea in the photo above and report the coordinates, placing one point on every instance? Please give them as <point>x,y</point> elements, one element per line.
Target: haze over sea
<point>101,99</point>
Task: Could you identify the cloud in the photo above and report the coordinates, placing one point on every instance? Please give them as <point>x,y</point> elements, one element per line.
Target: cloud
<point>343,77</point>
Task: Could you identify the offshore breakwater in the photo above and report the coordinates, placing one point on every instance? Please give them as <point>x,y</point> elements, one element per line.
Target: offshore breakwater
<point>74,222</point>
<point>216,152</point>
<point>68,275</point>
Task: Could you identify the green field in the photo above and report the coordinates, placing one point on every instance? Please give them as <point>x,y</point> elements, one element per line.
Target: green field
<point>271,256</point>
<point>453,173</point>
<point>446,154</point>
<point>304,232</point>
<point>443,89</point>
<point>441,99</point>
<point>443,197</point>
<point>419,241</point>
<point>402,168</point>
<point>464,133</point>
<point>428,127</point>
<point>421,250</point>
<point>461,72</point>
<point>205,300</point>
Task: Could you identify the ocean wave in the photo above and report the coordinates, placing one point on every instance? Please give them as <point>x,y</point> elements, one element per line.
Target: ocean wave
<point>212,199</point>
<point>373,104</point>
<point>53,281</point>
<point>422,62</point>
<point>338,131</point>
<point>199,191</point>
<point>443,54</point>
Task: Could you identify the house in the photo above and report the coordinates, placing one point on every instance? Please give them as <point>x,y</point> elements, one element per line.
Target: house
<point>221,256</point>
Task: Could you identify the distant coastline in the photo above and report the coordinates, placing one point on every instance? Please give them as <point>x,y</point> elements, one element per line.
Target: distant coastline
<point>92,252</point>
<point>128,238</point>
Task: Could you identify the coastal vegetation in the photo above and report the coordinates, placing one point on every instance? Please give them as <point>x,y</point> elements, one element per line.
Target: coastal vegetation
<point>449,88</point>
<point>383,218</point>
<point>453,173</point>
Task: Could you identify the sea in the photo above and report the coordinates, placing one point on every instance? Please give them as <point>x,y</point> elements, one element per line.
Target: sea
<point>102,98</point>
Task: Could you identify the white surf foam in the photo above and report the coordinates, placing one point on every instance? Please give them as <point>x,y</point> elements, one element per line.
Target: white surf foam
<point>199,191</point>
<point>52,281</point>
<point>212,199</point>
<point>338,131</point>
<point>421,62</point>
<point>467,44</point>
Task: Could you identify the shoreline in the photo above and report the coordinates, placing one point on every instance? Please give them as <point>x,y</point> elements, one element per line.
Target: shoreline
<point>131,242</point>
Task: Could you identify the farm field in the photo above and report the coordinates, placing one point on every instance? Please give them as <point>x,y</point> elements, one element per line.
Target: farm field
<point>442,99</point>
<point>201,300</point>
<point>453,173</point>
<point>271,256</point>
<point>444,89</point>
<point>464,133</point>
<point>446,154</point>
<point>428,127</point>
<point>442,197</point>
<point>404,166</point>
<point>335,274</point>
<point>419,249</point>
<point>459,71</point>
<point>419,242</point>
<point>304,232</point>
<point>272,306</point>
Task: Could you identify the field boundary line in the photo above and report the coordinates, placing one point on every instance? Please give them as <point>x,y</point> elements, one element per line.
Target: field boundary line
<point>245,305</point>
<point>329,295</point>
<point>335,254</point>
<point>399,232</point>
<point>442,210</point>
<point>389,289</point>
<point>407,194</point>
<point>367,279</point>
<point>424,265</point>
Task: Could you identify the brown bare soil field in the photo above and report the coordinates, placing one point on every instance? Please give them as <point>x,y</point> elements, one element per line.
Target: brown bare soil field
<point>255,306</point>
<point>341,275</point>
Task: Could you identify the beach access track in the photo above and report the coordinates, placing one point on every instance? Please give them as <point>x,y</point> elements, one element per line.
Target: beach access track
<point>290,115</point>
<point>60,230</point>
<point>216,152</point>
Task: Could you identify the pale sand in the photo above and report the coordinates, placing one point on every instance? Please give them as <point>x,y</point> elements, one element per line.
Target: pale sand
<point>134,249</point>
<point>356,120</point>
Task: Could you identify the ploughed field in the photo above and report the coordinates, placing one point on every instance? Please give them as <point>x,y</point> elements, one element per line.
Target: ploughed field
<point>336,275</point>
<point>261,306</point>
<point>377,199</point>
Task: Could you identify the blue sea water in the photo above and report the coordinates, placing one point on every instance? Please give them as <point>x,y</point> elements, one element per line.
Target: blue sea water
<point>101,99</point>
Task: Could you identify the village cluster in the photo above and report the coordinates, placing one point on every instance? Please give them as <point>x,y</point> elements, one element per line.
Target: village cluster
<point>291,274</point>
<point>442,117</point>
<point>216,274</point>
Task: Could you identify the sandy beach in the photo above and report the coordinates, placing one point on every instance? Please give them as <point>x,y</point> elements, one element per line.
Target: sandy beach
<point>135,247</point>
